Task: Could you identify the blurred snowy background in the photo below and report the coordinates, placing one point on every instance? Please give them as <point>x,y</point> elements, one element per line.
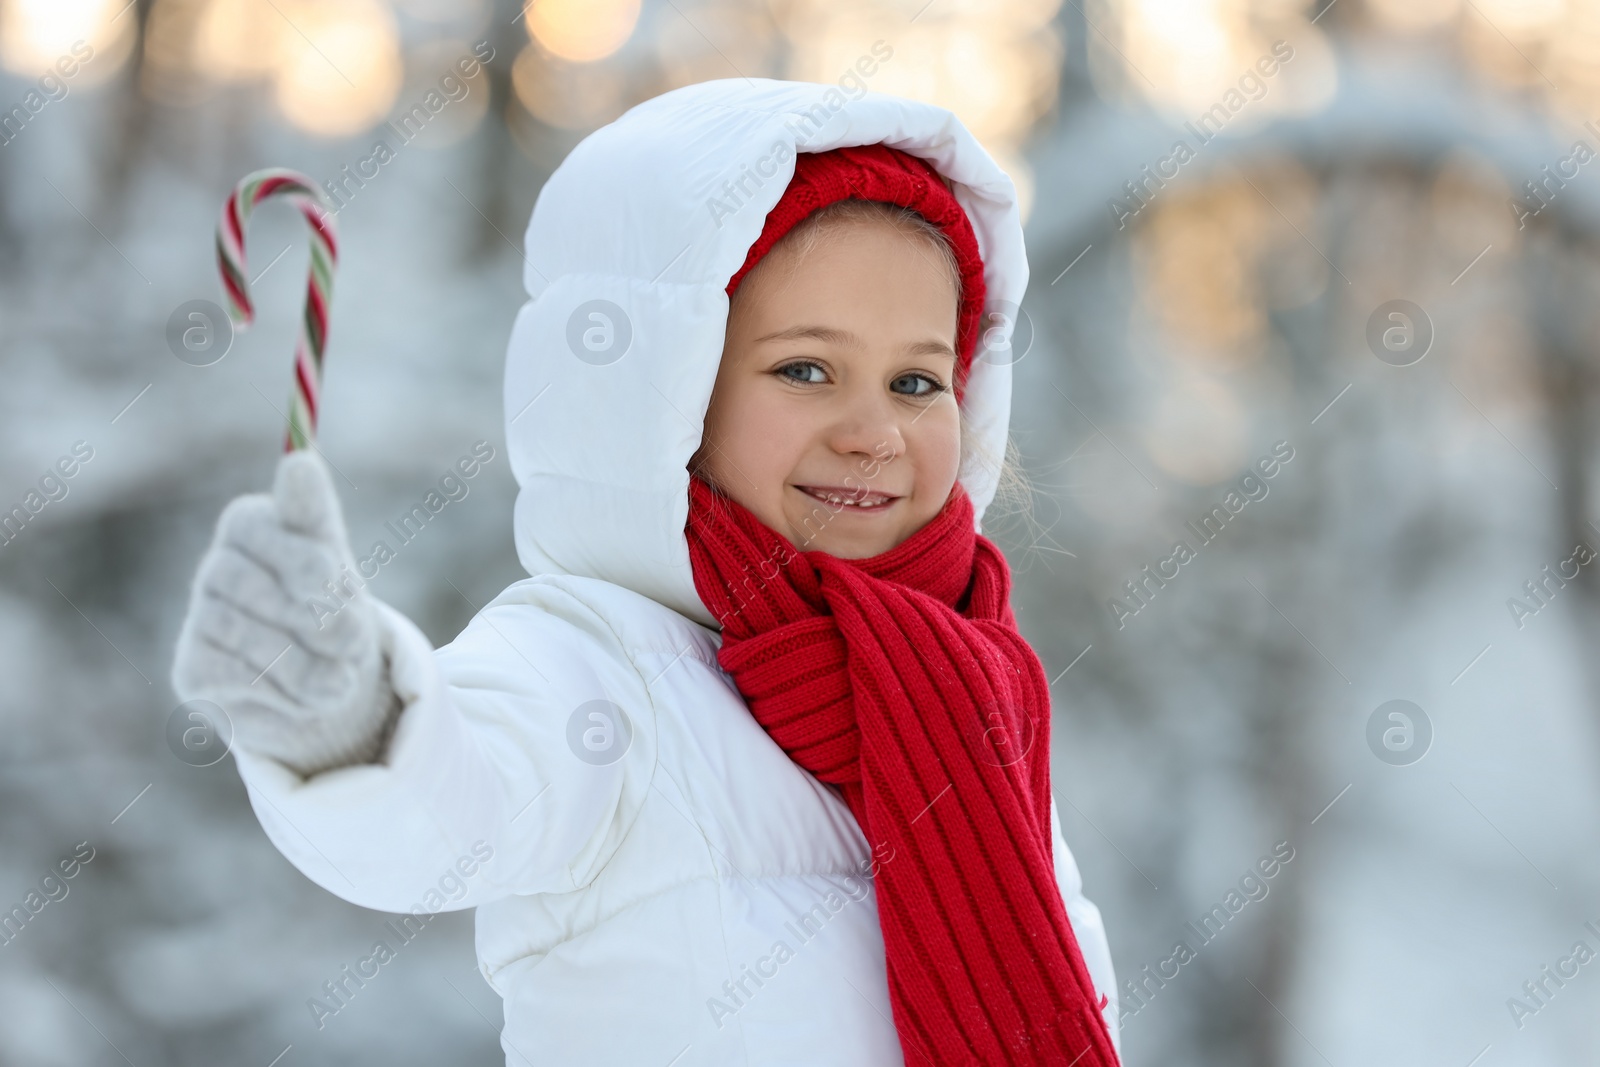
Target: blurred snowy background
<point>1192,313</point>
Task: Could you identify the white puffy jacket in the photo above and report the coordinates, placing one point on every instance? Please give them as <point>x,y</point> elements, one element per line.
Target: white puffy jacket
<point>632,911</point>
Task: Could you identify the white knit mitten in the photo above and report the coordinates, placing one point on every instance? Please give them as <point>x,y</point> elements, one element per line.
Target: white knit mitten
<point>306,687</point>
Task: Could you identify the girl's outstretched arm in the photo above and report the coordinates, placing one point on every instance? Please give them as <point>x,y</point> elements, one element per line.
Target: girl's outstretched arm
<point>499,777</point>
<point>438,780</point>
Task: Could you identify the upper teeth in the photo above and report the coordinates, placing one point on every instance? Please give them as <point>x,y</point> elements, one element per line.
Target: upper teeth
<point>835,498</point>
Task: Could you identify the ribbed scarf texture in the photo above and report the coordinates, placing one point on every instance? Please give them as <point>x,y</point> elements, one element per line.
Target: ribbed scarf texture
<point>901,679</point>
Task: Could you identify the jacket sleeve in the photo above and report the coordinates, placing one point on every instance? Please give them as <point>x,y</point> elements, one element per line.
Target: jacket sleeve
<point>1087,927</point>
<point>491,784</point>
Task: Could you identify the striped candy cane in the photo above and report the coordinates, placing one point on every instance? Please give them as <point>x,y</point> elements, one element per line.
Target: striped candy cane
<point>313,337</point>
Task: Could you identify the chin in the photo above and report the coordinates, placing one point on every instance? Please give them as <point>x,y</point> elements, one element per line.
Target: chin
<point>853,547</point>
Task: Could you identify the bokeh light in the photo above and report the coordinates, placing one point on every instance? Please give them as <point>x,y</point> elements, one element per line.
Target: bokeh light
<point>995,65</point>
<point>340,72</point>
<point>238,40</point>
<point>567,95</point>
<point>581,30</point>
<point>34,34</point>
<point>1184,56</point>
<point>1413,15</point>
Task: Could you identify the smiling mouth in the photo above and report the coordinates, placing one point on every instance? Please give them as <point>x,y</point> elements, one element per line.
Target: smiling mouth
<point>853,499</point>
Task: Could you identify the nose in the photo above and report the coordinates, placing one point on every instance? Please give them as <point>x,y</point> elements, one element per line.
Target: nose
<point>868,424</point>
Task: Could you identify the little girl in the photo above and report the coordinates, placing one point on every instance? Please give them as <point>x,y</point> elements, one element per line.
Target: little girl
<point>755,768</point>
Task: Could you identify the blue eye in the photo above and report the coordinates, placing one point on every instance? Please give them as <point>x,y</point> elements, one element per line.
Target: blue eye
<point>934,385</point>
<point>803,364</point>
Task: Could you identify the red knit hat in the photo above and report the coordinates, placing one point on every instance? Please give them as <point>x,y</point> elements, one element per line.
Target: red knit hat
<point>878,172</point>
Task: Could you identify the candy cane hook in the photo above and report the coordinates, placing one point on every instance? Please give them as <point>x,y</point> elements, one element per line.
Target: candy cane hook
<point>310,345</point>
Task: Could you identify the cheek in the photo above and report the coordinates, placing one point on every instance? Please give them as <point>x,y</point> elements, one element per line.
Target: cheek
<point>759,440</point>
<point>937,447</point>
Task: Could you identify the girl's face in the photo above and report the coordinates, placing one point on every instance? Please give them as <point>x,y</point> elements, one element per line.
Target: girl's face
<point>837,384</point>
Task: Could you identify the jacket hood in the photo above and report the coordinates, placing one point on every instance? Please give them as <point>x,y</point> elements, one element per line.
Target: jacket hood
<point>628,254</point>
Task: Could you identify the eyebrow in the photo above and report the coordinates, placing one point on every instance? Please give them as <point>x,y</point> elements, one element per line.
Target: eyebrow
<point>845,339</point>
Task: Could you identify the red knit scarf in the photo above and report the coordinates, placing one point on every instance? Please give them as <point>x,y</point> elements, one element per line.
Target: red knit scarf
<point>901,679</point>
